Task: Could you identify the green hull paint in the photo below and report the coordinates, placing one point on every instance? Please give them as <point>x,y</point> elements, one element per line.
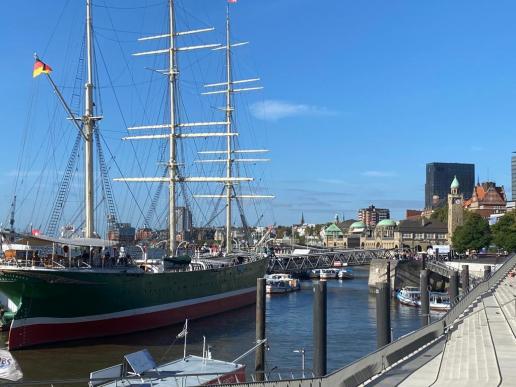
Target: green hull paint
<point>79,293</point>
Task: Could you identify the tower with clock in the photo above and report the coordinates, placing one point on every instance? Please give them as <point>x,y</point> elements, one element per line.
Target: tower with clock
<point>455,208</point>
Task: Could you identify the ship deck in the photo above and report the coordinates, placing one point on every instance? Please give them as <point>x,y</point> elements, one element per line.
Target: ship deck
<point>190,371</point>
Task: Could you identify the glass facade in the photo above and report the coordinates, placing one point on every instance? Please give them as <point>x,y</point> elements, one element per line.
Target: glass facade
<point>439,177</point>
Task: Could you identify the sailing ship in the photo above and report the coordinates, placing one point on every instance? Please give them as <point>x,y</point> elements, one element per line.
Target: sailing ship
<point>61,296</point>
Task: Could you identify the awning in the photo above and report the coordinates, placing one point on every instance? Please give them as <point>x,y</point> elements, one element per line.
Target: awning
<point>43,240</point>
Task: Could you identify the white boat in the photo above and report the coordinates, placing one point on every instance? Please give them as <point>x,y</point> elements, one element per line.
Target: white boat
<point>140,369</point>
<point>324,273</point>
<point>277,286</point>
<point>345,274</point>
<point>439,301</point>
<point>293,282</point>
<point>409,296</point>
<point>412,296</point>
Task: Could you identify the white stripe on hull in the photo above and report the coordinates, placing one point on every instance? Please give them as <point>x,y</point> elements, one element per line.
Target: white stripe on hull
<point>131,312</point>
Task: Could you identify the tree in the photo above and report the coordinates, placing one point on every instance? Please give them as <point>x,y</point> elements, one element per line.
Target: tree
<point>474,234</point>
<point>504,232</point>
<point>440,214</point>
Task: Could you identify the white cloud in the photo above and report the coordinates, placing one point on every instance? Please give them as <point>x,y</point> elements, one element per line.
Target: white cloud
<point>273,110</point>
<point>379,173</point>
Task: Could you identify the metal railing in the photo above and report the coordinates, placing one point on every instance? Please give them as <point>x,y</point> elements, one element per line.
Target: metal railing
<point>373,364</point>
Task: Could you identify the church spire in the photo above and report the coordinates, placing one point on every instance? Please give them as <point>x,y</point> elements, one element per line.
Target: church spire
<point>302,218</point>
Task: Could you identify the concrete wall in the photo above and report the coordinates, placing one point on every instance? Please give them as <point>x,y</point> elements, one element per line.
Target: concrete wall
<point>403,273</point>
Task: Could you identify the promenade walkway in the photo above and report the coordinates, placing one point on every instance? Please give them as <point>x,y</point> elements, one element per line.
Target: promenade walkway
<point>478,350</point>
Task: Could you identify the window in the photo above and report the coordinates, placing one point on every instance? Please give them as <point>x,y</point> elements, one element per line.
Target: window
<point>407,235</point>
<point>419,236</point>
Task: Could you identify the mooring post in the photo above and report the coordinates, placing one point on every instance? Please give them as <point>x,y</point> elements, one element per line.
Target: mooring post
<point>425,297</point>
<point>464,278</point>
<point>437,254</point>
<point>454,287</point>
<point>383,316</point>
<point>260,330</point>
<point>319,329</point>
<point>487,272</point>
<point>423,261</point>
<point>388,275</point>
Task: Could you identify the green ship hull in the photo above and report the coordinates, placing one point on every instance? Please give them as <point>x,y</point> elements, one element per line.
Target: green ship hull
<point>66,304</point>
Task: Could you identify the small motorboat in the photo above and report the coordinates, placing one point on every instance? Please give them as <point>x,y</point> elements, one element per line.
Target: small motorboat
<point>345,274</point>
<point>440,301</point>
<point>409,296</point>
<point>140,369</point>
<point>294,283</point>
<point>277,286</point>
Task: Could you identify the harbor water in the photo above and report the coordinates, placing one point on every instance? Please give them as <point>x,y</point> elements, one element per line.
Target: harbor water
<point>351,335</point>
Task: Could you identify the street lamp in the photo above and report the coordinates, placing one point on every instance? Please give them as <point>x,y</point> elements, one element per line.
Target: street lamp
<point>302,352</point>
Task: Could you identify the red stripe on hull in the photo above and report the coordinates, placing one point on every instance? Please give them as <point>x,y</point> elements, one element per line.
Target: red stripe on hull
<point>36,334</point>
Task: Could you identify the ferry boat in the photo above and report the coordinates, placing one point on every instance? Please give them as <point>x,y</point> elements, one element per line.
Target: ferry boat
<point>71,293</point>
<point>411,296</point>
<point>294,283</point>
<point>408,296</point>
<point>277,286</point>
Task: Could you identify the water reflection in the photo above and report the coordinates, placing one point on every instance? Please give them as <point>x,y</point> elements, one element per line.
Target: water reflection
<point>351,334</point>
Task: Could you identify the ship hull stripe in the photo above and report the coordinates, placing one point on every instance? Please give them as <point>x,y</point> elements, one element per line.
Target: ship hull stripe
<point>130,312</point>
<point>36,331</point>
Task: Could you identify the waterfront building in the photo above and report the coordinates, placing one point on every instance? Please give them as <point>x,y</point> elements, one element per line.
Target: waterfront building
<point>143,234</point>
<point>423,234</point>
<point>487,199</point>
<point>455,208</point>
<point>384,236</point>
<point>333,236</point>
<point>121,232</point>
<point>438,177</point>
<point>371,215</point>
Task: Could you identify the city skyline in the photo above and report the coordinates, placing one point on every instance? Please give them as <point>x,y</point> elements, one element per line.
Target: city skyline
<point>350,123</point>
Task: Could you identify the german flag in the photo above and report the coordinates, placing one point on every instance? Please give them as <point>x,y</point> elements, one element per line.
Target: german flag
<point>40,68</point>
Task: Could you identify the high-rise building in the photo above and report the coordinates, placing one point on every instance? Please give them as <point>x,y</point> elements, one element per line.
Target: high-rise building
<point>183,220</point>
<point>513,175</point>
<point>438,177</point>
<point>371,215</point>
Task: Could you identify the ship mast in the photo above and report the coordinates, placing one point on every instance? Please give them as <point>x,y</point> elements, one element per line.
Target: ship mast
<point>89,126</point>
<point>229,110</point>
<point>172,79</point>
<point>174,125</point>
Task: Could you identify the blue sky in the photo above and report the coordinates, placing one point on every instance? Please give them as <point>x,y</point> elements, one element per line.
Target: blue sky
<point>358,96</point>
